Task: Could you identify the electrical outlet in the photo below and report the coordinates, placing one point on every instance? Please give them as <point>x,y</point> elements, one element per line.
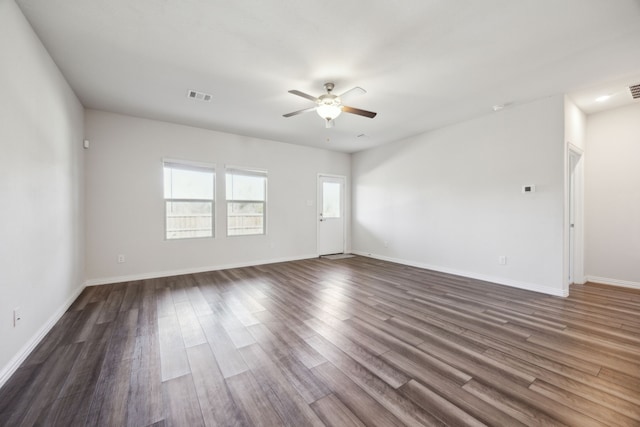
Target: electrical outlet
<point>17,316</point>
<point>121,259</point>
<point>502,260</point>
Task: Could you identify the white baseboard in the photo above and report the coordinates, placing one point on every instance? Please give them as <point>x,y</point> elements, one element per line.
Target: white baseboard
<point>498,280</point>
<point>26,349</point>
<point>613,282</point>
<point>168,273</point>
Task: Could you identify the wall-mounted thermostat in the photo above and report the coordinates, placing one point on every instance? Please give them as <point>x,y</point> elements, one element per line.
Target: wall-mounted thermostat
<point>528,189</point>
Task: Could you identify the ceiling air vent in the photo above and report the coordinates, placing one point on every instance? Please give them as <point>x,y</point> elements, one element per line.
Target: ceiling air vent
<point>201,96</point>
<point>635,91</point>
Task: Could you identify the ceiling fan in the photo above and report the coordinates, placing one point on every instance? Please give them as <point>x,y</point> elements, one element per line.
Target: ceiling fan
<point>329,106</point>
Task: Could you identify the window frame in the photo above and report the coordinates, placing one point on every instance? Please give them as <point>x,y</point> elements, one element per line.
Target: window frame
<point>244,171</point>
<point>192,166</point>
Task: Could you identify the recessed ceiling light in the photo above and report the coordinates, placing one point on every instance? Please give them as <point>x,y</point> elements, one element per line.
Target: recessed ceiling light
<point>603,98</point>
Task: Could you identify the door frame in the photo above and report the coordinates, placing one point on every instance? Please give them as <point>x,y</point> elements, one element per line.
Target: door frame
<point>319,207</point>
<point>574,214</point>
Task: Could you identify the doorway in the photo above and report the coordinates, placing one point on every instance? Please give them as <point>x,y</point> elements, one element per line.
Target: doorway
<point>331,222</point>
<point>575,205</point>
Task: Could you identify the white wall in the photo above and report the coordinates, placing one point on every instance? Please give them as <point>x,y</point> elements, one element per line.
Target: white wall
<point>41,213</point>
<point>125,208</point>
<point>451,199</point>
<point>575,124</point>
<point>612,199</point>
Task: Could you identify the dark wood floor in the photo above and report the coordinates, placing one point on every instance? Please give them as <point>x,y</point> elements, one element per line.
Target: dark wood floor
<point>340,343</point>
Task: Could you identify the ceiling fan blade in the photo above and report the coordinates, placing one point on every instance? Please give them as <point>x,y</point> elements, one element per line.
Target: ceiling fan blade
<point>359,112</point>
<point>353,92</point>
<point>295,113</point>
<point>304,95</point>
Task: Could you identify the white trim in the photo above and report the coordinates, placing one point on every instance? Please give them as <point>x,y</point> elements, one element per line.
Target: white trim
<point>168,273</point>
<point>497,280</point>
<point>186,163</point>
<point>332,175</point>
<point>579,151</point>
<point>613,282</point>
<point>15,362</point>
<point>245,171</point>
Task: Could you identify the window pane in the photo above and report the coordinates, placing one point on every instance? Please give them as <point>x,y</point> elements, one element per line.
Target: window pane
<point>331,200</point>
<point>189,219</point>
<point>188,184</point>
<point>243,187</point>
<point>245,218</point>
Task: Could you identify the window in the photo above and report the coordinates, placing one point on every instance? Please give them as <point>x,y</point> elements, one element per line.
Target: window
<point>246,193</point>
<point>331,199</point>
<point>189,200</point>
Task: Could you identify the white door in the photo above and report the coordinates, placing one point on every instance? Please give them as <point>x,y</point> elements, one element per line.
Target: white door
<point>572,221</point>
<point>330,214</point>
<point>574,158</point>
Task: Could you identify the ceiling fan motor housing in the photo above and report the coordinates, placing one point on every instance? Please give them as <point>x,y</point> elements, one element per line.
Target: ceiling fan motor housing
<point>329,99</point>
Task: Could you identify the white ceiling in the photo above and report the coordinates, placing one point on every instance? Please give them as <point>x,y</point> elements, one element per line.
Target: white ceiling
<point>424,63</point>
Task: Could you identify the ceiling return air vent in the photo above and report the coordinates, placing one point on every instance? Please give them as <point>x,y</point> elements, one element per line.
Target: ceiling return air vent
<point>201,96</point>
<point>635,91</point>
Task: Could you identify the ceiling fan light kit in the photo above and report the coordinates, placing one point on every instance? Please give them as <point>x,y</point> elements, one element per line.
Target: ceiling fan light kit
<point>328,112</point>
<point>329,106</point>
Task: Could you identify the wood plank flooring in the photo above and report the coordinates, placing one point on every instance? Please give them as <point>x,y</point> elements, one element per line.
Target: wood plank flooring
<point>350,342</point>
